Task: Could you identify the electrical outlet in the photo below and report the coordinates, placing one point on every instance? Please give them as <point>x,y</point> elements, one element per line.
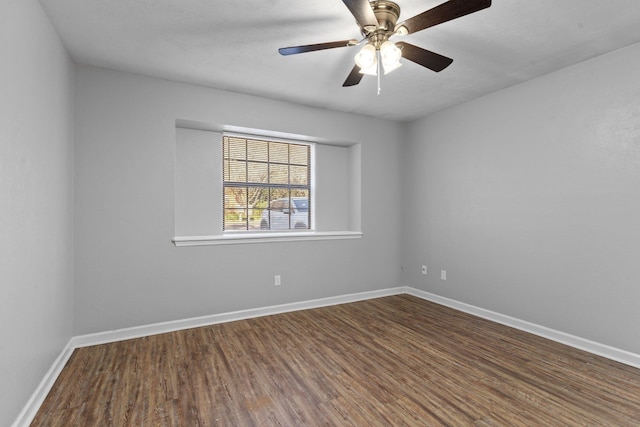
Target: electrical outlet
<point>443,274</point>
<point>277,281</point>
<point>424,270</point>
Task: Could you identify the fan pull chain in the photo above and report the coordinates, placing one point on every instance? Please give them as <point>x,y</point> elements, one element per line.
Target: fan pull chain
<point>379,67</point>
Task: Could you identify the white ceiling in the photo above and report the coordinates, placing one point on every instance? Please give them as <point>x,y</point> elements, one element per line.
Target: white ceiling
<point>233,45</point>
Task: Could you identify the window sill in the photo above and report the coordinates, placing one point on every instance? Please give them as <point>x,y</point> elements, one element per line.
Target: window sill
<point>238,238</point>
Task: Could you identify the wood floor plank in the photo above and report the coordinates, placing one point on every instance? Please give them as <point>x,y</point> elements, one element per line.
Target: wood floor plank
<point>393,361</point>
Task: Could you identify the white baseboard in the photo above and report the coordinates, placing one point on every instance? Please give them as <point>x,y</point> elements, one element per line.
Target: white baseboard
<point>31,408</point>
<point>593,347</point>
<point>195,322</point>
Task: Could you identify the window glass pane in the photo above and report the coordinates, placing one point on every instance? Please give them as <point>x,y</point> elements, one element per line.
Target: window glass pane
<point>301,194</point>
<point>278,152</point>
<point>236,171</point>
<point>235,208</point>
<point>257,202</point>
<point>235,220</point>
<point>299,175</point>
<point>235,148</point>
<point>301,218</point>
<point>258,197</point>
<point>258,173</point>
<point>257,150</point>
<point>301,204</point>
<point>277,197</point>
<point>278,174</point>
<point>299,154</point>
<point>235,198</point>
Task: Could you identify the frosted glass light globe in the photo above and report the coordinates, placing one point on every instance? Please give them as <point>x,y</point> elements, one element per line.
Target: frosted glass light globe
<point>390,54</point>
<point>366,58</point>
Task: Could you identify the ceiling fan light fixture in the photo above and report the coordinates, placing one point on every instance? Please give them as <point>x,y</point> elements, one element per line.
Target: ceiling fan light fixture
<point>366,58</point>
<point>370,71</point>
<point>390,55</point>
<point>390,68</point>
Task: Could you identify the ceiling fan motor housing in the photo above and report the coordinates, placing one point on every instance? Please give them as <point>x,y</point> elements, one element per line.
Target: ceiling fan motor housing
<point>387,13</point>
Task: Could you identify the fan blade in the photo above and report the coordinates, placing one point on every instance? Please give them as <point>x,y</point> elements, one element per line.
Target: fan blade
<point>313,47</point>
<point>354,77</point>
<point>426,58</point>
<point>445,12</point>
<point>362,11</point>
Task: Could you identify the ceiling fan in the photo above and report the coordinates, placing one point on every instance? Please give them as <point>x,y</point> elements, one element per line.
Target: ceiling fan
<point>378,23</point>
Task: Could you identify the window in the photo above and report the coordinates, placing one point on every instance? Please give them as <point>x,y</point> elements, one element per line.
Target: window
<point>266,184</point>
<point>327,197</point>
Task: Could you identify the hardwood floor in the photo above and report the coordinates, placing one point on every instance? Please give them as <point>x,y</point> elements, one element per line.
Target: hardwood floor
<point>390,361</point>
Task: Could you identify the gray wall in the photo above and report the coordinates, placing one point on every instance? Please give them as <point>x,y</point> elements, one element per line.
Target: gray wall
<point>530,199</point>
<point>36,292</point>
<point>128,273</point>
